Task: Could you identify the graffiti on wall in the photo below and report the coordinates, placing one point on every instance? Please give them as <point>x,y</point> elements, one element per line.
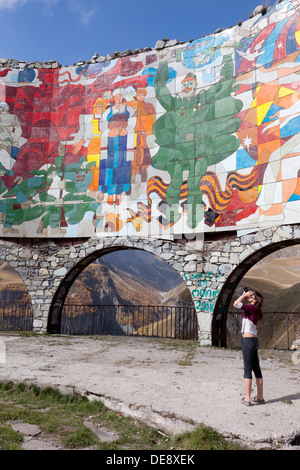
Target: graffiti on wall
<point>203,294</point>
<point>202,136</point>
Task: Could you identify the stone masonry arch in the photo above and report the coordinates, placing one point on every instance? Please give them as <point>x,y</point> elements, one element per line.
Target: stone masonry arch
<point>209,269</point>
<point>167,251</point>
<point>49,267</point>
<point>61,293</point>
<point>225,297</point>
<point>226,264</point>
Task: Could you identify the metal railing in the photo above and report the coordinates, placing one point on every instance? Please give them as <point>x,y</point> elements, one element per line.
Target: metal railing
<point>275,330</point>
<point>16,316</point>
<point>155,321</point>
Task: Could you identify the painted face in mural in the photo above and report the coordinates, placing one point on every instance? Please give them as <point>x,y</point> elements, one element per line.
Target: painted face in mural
<point>140,95</point>
<point>3,107</point>
<point>119,99</point>
<point>107,96</point>
<point>118,96</point>
<point>189,84</point>
<point>99,107</point>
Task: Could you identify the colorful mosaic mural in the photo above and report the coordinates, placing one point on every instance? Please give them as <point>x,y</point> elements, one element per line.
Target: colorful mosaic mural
<point>201,136</point>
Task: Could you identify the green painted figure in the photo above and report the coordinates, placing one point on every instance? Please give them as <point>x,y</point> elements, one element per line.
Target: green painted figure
<point>196,131</point>
<point>29,199</point>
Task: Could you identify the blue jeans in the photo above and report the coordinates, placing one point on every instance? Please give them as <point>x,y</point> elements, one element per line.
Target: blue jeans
<point>250,357</point>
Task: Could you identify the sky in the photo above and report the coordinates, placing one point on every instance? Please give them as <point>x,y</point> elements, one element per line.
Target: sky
<point>72,30</point>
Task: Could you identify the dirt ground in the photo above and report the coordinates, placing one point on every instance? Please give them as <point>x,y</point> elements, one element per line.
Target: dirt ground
<point>172,385</point>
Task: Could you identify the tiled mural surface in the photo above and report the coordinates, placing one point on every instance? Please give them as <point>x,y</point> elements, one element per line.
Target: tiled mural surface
<point>201,136</point>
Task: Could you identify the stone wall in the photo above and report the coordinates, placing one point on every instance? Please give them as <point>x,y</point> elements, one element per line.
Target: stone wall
<point>209,145</point>
<point>45,267</point>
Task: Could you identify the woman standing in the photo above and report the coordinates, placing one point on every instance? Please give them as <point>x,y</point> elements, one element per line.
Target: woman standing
<point>250,302</point>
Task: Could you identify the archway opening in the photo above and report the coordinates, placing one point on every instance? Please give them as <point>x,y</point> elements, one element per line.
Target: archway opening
<point>275,272</point>
<point>277,278</point>
<point>127,292</point>
<point>15,304</point>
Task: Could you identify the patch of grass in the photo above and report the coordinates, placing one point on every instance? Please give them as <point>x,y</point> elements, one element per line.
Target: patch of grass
<point>176,344</point>
<point>187,360</point>
<point>204,438</point>
<point>10,439</point>
<point>81,437</point>
<point>61,419</point>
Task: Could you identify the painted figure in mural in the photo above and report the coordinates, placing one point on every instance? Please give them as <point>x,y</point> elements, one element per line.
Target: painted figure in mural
<point>24,201</point>
<point>55,194</point>
<point>270,127</point>
<point>76,202</point>
<point>145,117</point>
<point>10,134</point>
<point>115,170</point>
<point>196,131</point>
<point>92,139</point>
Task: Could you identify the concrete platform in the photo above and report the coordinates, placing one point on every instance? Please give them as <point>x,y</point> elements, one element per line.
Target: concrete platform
<point>163,382</point>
